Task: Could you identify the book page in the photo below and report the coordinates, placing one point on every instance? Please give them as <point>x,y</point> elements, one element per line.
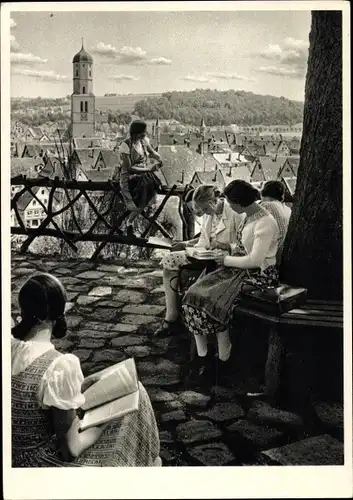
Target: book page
<point>114,382</point>
<point>165,242</point>
<point>190,251</point>
<point>202,253</point>
<point>111,411</point>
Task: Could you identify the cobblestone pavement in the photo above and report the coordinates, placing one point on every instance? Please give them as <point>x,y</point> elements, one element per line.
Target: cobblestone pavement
<point>113,309</point>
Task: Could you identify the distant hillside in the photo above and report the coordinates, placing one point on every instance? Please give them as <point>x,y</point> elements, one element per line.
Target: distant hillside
<point>221,108</point>
<point>121,103</point>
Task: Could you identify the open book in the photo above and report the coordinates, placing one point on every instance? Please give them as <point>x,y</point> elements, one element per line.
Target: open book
<point>202,253</point>
<point>114,395</point>
<point>161,242</point>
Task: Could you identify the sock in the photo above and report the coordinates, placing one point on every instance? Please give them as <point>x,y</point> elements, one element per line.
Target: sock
<point>224,345</point>
<point>225,355</point>
<point>201,345</point>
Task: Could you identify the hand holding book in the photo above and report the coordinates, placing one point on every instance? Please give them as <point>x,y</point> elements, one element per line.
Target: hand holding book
<point>80,440</point>
<point>110,394</point>
<point>88,381</point>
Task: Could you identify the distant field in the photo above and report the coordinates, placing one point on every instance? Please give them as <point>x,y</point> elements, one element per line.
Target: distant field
<point>124,103</point>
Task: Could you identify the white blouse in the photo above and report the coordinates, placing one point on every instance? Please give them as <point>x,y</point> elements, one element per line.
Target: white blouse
<point>260,240</point>
<point>223,228</point>
<point>61,384</point>
<point>124,148</point>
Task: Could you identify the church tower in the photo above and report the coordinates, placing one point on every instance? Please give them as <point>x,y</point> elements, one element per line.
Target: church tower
<point>203,136</point>
<point>157,129</point>
<point>203,128</point>
<point>82,99</point>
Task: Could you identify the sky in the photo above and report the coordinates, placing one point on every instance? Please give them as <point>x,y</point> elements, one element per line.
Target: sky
<point>264,52</point>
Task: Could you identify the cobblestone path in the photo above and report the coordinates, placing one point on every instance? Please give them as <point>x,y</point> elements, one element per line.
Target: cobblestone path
<point>113,308</point>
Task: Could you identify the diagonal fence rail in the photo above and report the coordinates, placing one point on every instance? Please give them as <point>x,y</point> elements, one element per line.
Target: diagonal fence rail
<point>68,198</point>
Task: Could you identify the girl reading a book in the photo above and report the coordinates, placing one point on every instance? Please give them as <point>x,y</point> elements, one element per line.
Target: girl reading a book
<point>219,224</point>
<point>47,391</point>
<point>208,304</point>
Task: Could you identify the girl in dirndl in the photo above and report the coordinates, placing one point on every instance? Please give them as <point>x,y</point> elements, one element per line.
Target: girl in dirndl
<point>137,179</point>
<point>219,223</point>
<point>47,389</point>
<point>208,304</point>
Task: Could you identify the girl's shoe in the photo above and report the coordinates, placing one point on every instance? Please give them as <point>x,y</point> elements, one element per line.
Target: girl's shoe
<point>202,371</point>
<point>224,372</point>
<point>130,231</point>
<point>169,328</point>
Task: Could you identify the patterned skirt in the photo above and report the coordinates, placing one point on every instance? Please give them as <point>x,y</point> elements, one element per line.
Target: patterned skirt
<point>209,303</point>
<point>132,441</point>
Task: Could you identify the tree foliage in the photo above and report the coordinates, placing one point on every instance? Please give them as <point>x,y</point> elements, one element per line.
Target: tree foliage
<point>221,108</point>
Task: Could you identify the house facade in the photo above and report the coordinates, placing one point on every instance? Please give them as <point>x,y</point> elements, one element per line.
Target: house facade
<point>31,211</point>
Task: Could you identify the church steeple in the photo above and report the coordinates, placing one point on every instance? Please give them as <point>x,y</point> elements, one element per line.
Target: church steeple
<point>82,56</point>
<point>203,134</point>
<point>158,132</point>
<point>203,127</point>
<point>82,99</point>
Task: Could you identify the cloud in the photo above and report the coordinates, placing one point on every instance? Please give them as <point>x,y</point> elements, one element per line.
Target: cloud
<point>278,70</point>
<point>289,58</point>
<point>231,76</point>
<point>293,43</point>
<point>128,55</point>
<point>121,78</point>
<point>106,50</point>
<point>14,46</point>
<point>211,77</point>
<point>13,24</point>
<point>27,59</point>
<point>199,79</point>
<point>48,76</point>
<point>272,52</point>
<point>161,61</point>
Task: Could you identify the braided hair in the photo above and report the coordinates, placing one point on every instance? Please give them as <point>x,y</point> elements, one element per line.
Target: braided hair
<point>41,298</point>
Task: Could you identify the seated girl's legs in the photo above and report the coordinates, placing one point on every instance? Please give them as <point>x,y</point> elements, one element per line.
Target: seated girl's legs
<point>170,283</point>
<point>201,345</point>
<point>224,345</point>
<point>131,217</point>
<point>171,268</point>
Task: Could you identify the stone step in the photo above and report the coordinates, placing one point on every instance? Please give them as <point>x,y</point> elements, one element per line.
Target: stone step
<point>249,438</point>
<point>318,450</point>
<point>212,454</point>
<point>331,415</point>
<point>263,413</point>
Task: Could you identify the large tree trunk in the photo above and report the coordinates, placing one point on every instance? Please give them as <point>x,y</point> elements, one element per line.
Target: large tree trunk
<point>313,249</point>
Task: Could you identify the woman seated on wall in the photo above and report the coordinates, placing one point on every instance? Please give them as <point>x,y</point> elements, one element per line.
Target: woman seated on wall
<point>208,304</point>
<point>138,181</point>
<point>47,390</point>
<point>219,225</point>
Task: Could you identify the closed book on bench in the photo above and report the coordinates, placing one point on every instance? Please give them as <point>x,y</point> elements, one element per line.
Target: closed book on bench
<point>277,300</point>
<point>113,396</point>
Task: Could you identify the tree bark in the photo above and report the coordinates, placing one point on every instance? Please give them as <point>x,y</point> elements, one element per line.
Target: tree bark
<point>313,251</point>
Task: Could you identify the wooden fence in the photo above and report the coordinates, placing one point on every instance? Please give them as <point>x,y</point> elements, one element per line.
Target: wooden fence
<point>71,193</point>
